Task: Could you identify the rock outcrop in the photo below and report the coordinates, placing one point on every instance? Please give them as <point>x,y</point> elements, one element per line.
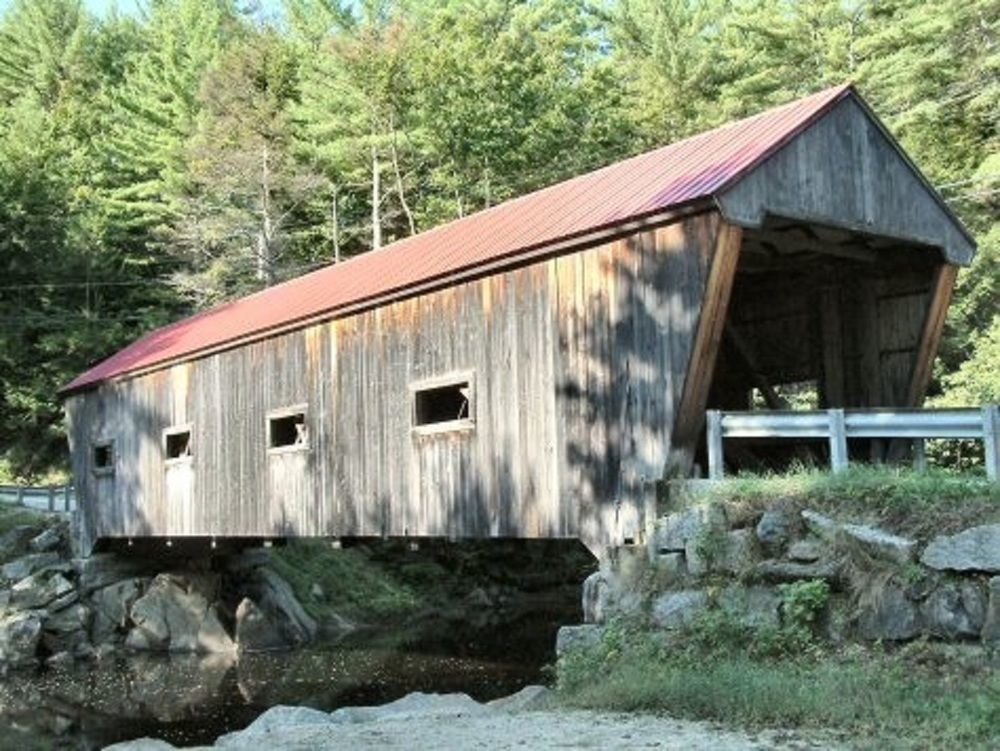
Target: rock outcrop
<point>59,609</point>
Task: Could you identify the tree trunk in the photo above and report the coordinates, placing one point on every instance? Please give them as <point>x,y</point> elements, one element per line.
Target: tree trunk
<point>399,180</point>
<point>335,229</point>
<point>376,203</point>
<point>265,239</point>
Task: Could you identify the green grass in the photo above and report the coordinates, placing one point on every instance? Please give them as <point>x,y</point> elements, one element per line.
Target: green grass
<point>934,501</point>
<point>352,584</point>
<point>865,698</point>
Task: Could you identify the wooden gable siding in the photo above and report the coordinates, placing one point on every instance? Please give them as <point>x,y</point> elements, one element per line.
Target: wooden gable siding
<point>577,362</point>
<point>844,171</point>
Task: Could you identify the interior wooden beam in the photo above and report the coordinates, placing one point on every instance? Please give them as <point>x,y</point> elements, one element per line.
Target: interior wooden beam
<point>705,350</point>
<point>930,335</point>
<point>832,333</point>
<point>746,356</point>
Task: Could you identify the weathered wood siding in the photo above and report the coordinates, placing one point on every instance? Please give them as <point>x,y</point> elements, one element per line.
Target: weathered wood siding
<point>845,171</point>
<point>577,364</point>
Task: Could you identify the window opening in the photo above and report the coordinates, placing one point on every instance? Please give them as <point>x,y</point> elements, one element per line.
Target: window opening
<point>446,403</point>
<point>288,430</point>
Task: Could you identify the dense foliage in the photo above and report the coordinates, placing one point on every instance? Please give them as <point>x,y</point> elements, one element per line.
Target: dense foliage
<point>150,166</point>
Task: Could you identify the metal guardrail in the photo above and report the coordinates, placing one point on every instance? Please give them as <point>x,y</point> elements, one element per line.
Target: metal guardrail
<point>61,498</point>
<point>838,426</point>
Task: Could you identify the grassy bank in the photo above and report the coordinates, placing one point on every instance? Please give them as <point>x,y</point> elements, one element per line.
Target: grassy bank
<point>935,501</point>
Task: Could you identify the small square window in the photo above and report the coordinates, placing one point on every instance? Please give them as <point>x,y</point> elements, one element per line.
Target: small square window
<point>443,405</point>
<point>104,458</point>
<point>287,430</point>
<point>177,444</point>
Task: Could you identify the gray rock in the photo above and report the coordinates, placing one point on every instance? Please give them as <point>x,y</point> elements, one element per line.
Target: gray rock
<point>60,660</point>
<point>991,620</point>
<point>61,603</point>
<point>578,637</point>
<point>15,540</point>
<point>944,613</point>
<point>888,616</point>
<point>528,698</point>
<point>975,549</point>
<point>255,632</point>
<point>675,610</point>
<point>25,566</point>
<point>112,606</point>
<point>597,593</point>
<point>725,552</point>
<point>275,598</point>
<point>19,637</point>
<point>175,615</point>
<point>805,551</point>
<point>100,570</point>
<point>752,606</point>
<point>74,618</point>
<point>141,744</point>
<point>820,525</point>
<point>39,589</point>
<point>48,540</point>
<point>276,718</point>
<point>673,532</point>
<point>773,531</point>
<point>415,705</point>
<point>4,599</point>
<point>880,544</point>
<point>790,571</point>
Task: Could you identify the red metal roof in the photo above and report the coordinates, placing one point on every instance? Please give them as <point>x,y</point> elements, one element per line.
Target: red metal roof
<point>650,183</point>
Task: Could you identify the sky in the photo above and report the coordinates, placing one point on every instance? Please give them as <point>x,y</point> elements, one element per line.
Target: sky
<point>101,7</point>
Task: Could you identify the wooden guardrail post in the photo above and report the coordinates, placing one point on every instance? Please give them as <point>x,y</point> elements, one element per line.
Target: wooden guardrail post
<point>991,440</point>
<point>838,440</point>
<point>20,496</point>
<point>66,497</point>
<point>52,498</point>
<point>713,429</point>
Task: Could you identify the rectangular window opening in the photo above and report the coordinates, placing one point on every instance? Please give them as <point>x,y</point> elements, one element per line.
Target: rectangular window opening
<point>178,444</point>
<point>288,430</point>
<point>446,403</point>
<point>104,457</point>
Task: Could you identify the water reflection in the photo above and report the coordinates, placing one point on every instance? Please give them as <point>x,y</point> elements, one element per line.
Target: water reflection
<point>189,700</point>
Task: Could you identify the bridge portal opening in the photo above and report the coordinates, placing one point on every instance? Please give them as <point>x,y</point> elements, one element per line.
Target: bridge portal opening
<point>818,317</point>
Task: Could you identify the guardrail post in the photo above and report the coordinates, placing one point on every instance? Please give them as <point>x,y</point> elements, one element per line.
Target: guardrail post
<point>713,431</point>
<point>66,495</point>
<point>991,440</point>
<point>20,496</point>
<point>52,498</point>
<point>919,455</point>
<point>838,440</point>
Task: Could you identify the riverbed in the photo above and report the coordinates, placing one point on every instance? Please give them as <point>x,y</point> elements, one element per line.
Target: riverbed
<point>190,700</point>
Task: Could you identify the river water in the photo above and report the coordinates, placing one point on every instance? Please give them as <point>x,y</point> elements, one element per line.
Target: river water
<point>190,700</point>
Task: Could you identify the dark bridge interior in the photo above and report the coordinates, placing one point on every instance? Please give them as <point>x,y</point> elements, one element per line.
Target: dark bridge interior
<point>819,317</point>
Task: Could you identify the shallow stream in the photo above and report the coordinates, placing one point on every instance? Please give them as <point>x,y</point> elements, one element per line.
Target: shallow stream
<point>191,700</point>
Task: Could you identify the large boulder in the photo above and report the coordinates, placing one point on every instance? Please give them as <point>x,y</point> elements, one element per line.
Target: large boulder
<point>274,597</point>
<point>991,619</point>
<point>721,552</point>
<point>175,614</point>
<point>887,615</point>
<point>112,607</point>
<point>676,531</point>
<point>879,544</point>
<point>39,589</point>
<point>15,541</point>
<point>953,611</point>
<point>975,549</point>
<point>676,610</point>
<point>597,596</point>
<point>255,631</point>
<point>19,636</point>
<point>26,565</point>
<point>49,540</point>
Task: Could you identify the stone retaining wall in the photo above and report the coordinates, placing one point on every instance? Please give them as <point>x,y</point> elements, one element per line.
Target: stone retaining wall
<point>883,587</point>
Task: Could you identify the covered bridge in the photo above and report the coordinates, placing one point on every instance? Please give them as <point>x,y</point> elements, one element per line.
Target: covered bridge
<point>530,370</point>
